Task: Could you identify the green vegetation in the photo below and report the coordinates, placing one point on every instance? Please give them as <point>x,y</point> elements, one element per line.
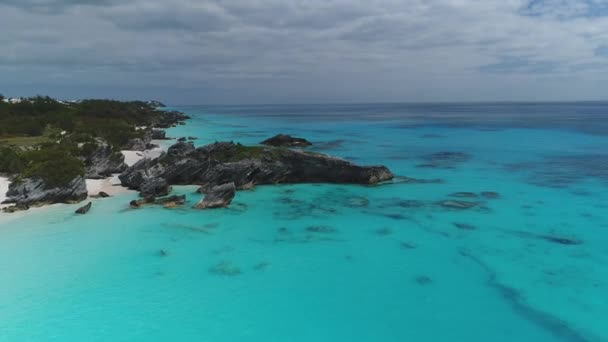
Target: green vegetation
<point>113,121</point>
<point>42,137</point>
<point>240,152</point>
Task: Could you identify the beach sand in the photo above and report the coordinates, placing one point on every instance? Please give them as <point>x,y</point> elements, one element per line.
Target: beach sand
<point>4,183</point>
<point>132,157</point>
<point>110,185</point>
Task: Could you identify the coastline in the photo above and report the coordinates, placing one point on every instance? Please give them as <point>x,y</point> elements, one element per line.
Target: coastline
<point>110,185</point>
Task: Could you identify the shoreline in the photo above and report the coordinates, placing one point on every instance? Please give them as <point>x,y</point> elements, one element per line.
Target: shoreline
<point>110,185</point>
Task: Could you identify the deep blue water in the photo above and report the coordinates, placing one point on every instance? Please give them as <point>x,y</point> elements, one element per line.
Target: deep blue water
<point>341,263</point>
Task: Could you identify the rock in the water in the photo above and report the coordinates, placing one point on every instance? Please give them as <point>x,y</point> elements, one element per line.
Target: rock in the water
<point>458,204</point>
<point>34,192</point>
<point>218,197</point>
<point>101,161</point>
<point>192,138</point>
<point>135,204</point>
<point>171,201</point>
<point>103,194</point>
<point>16,208</point>
<point>182,139</point>
<point>84,209</point>
<point>247,166</point>
<point>154,187</point>
<point>284,140</point>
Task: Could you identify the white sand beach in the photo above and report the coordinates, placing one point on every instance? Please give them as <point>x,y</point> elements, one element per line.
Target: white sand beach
<point>110,185</point>
<point>132,157</point>
<point>4,183</point>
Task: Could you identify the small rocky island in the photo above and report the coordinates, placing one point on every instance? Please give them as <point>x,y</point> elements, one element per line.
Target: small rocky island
<point>213,166</point>
<point>285,140</point>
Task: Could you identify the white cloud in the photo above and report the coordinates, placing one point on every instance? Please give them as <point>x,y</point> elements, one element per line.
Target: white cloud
<point>305,49</point>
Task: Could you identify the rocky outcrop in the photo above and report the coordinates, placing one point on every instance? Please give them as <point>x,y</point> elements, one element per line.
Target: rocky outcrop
<point>167,202</point>
<point>245,166</point>
<point>143,143</point>
<point>34,192</point>
<point>84,209</point>
<point>103,162</point>
<point>154,187</point>
<point>284,140</point>
<point>158,134</point>
<point>218,197</point>
<point>171,201</point>
<point>171,119</point>
<point>139,144</point>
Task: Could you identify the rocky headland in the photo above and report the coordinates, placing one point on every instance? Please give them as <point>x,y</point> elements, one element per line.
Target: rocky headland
<point>243,166</point>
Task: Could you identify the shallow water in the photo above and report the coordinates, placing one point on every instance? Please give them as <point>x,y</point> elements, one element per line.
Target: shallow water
<point>341,263</point>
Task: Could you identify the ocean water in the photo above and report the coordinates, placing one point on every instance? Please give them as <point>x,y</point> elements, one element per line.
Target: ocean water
<point>341,263</point>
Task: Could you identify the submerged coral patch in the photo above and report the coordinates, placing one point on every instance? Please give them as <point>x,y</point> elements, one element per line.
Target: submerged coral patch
<point>444,160</point>
<point>563,171</point>
<point>225,268</point>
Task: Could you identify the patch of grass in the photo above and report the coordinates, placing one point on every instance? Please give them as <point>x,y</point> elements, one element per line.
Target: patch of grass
<point>24,141</point>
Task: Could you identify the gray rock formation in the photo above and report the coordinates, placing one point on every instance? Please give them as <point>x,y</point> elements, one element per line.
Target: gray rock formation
<point>167,202</point>
<point>154,187</point>
<point>158,134</point>
<point>284,140</point>
<point>245,166</point>
<point>219,196</point>
<point>34,192</point>
<point>103,162</point>
<point>84,209</point>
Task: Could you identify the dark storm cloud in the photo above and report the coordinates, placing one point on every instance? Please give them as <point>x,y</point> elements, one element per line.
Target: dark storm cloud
<point>331,50</point>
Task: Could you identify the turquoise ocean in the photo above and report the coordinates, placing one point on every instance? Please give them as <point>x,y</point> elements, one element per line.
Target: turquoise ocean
<point>334,263</point>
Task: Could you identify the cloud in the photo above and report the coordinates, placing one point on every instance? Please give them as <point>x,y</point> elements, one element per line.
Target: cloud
<point>330,50</point>
<point>53,6</point>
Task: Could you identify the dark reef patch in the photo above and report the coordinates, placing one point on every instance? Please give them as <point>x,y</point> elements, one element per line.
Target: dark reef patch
<point>458,205</point>
<point>490,195</point>
<point>432,136</point>
<point>563,171</point>
<point>225,268</point>
<point>423,280</point>
<point>383,231</point>
<point>444,160</point>
<point>557,239</point>
<point>464,226</point>
<point>463,195</point>
<point>407,245</point>
<point>552,324</point>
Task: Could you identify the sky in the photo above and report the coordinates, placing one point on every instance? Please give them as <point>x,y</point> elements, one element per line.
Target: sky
<point>305,51</point>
